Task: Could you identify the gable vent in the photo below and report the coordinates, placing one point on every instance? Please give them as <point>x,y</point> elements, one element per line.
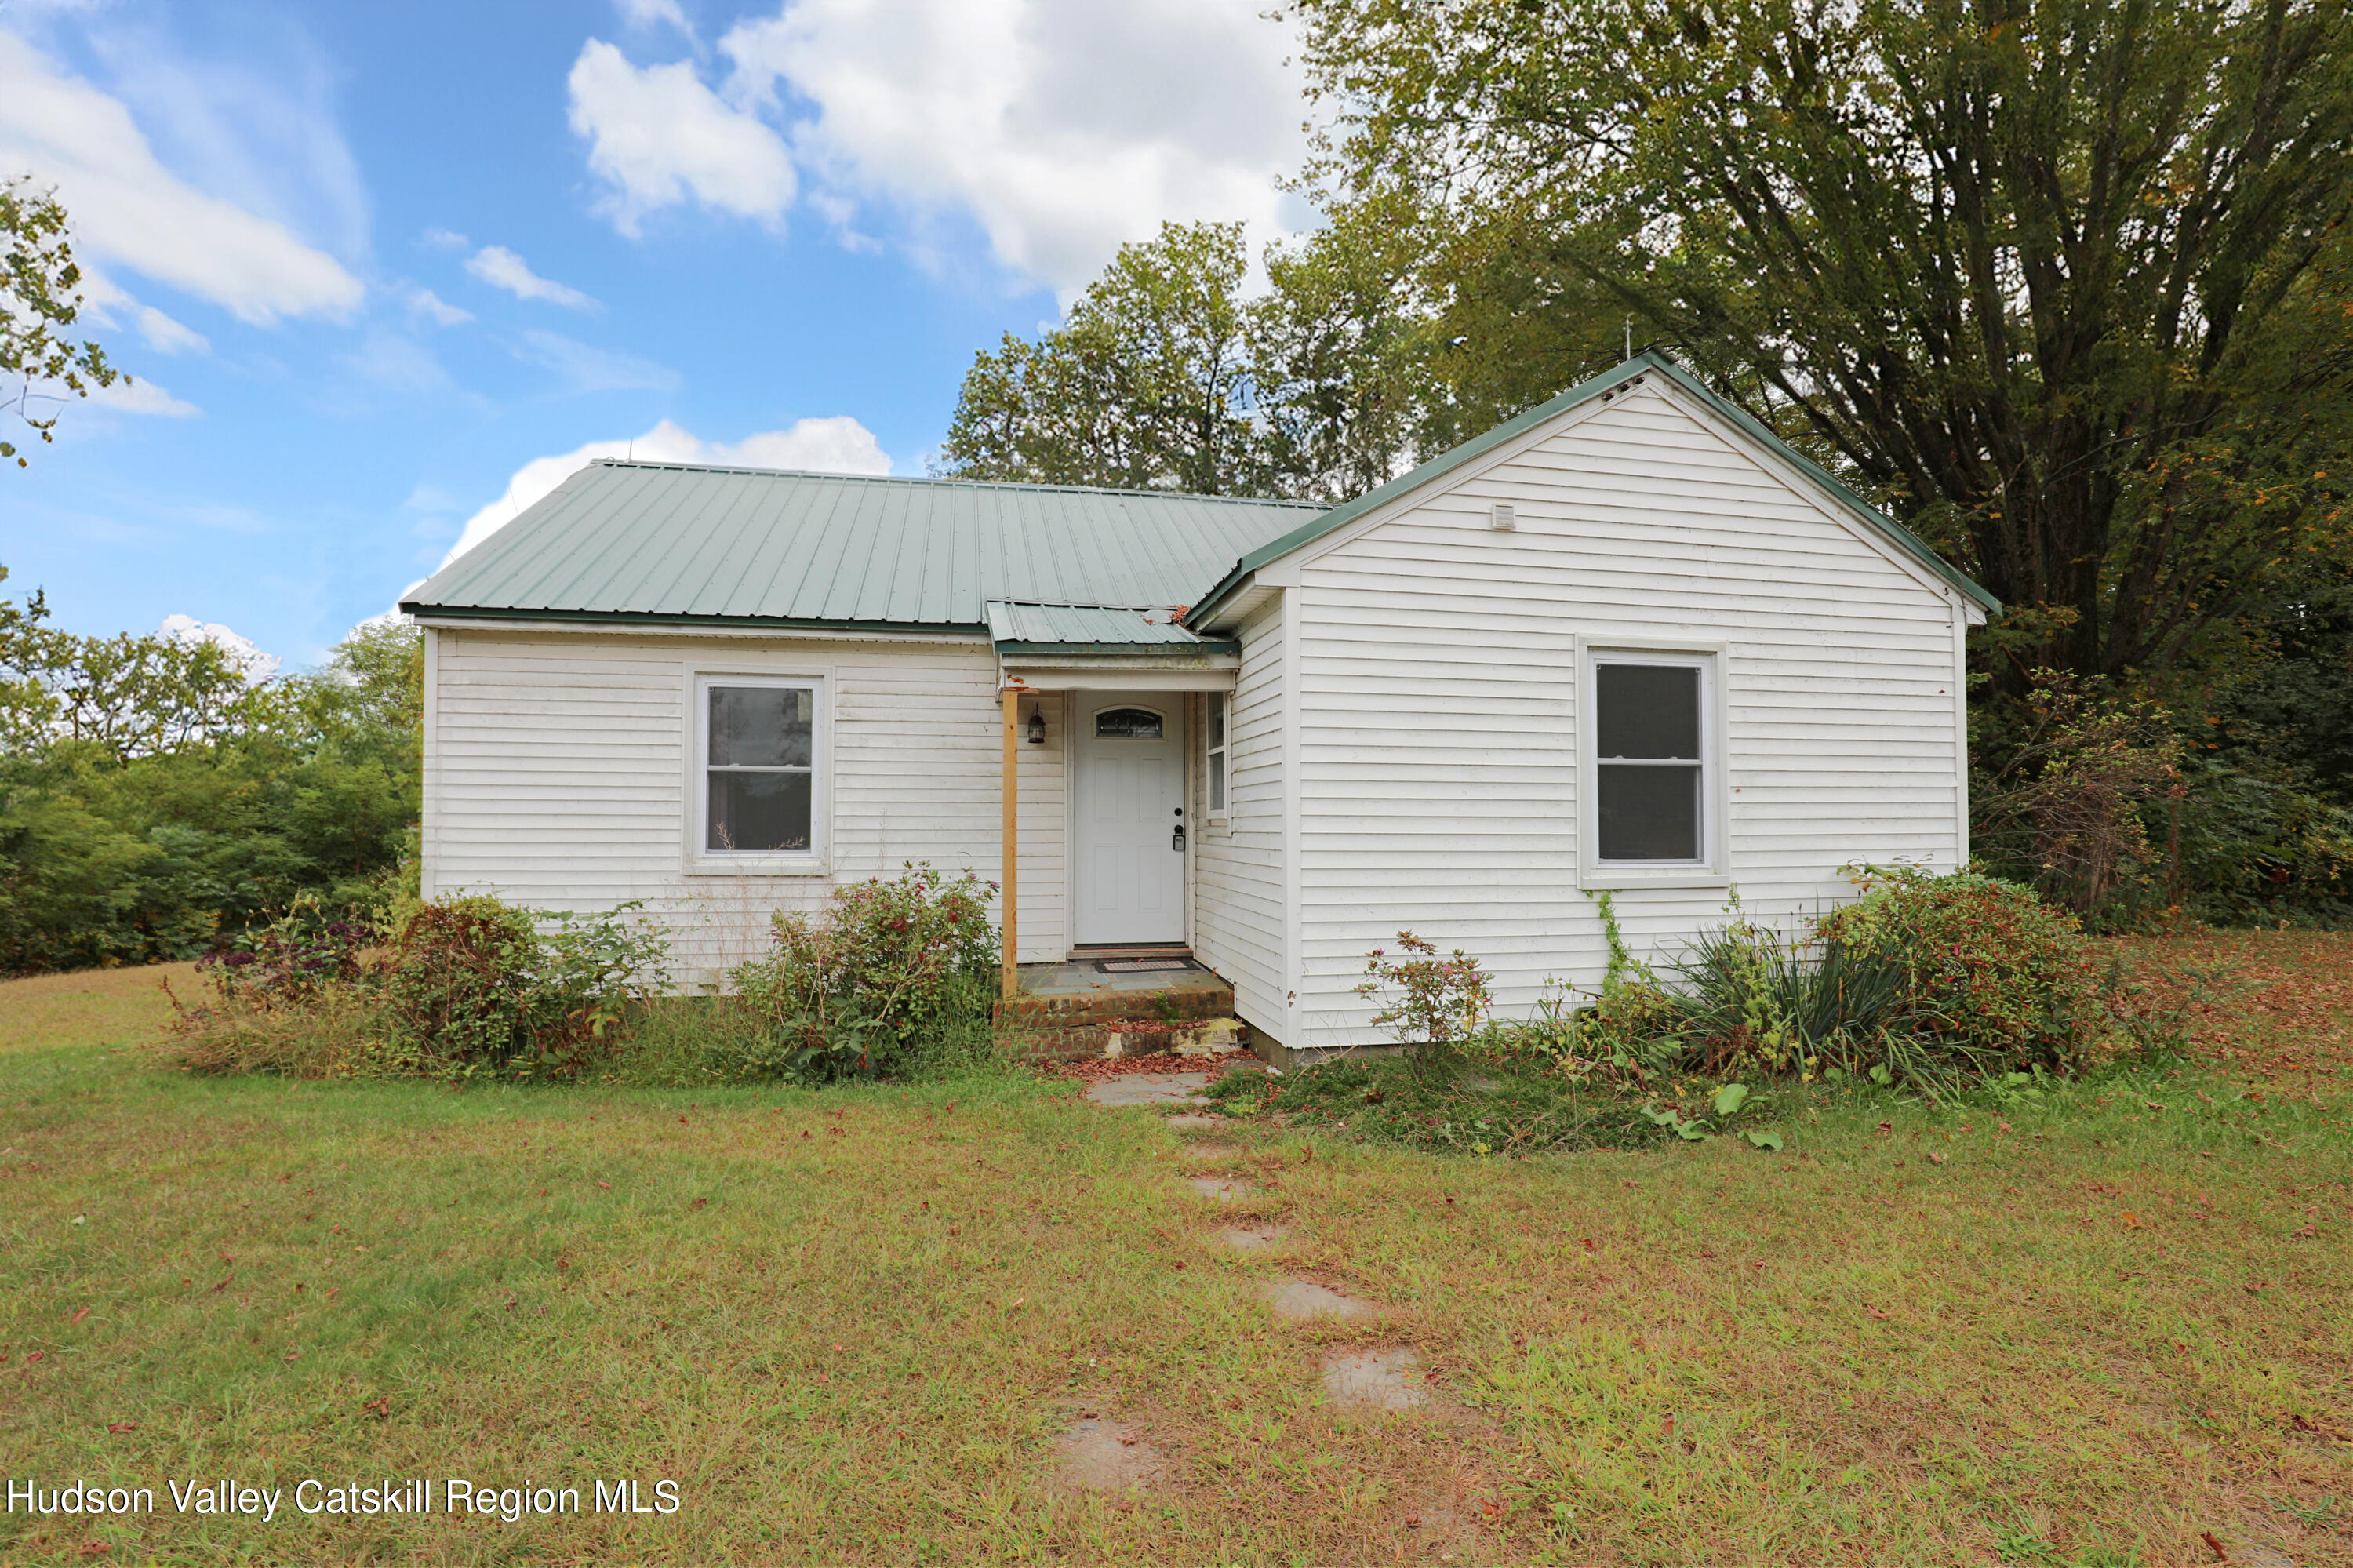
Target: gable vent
<point>1500,515</point>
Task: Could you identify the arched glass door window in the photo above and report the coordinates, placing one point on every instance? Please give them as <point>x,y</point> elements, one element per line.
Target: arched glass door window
<point>1127,724</point>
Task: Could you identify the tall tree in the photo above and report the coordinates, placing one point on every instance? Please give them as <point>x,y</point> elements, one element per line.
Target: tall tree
<point>1167,375</point>
<point>39,366</point>
<point>1144,386</point>
<point>2055,278</point>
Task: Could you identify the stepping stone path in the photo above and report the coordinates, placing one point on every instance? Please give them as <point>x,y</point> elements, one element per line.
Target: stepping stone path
<point>1099,1454</point>
<point>1300,1300</point>
<point>1375,1380</point>
<point>1147,1088</point>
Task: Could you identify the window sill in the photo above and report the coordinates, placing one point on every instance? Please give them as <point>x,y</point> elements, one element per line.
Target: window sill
<point>1613,879</point>
<point>756,865</point>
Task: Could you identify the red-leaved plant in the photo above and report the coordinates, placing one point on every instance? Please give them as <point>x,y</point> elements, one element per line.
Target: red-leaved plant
<point>1432,1005</point>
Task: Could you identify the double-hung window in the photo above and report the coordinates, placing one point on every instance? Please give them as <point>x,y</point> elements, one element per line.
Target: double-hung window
<point>1650,777</point>
<point>759,744</point>
<point>1215,762</point>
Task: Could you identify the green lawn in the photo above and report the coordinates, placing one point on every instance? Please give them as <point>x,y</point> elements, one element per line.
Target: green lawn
<point>849,1324</point>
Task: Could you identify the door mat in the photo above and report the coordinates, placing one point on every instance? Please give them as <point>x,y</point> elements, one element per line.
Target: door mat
<point>1130,966</point>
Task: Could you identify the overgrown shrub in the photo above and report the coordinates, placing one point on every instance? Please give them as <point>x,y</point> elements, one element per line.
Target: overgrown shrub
<point>1931,981</point>
<point>892,976</point>
<point>469,985</point>
<point>1990,975</point>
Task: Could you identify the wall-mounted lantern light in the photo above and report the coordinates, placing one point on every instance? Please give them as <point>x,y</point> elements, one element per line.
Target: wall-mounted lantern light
<point>1037,728</point>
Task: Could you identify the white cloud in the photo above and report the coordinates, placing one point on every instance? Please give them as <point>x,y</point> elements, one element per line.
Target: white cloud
<point>1064,127</point>
<point>503,269</point>
<point>446,239</point>
<point>838,444</point>
<point>651,14</point>
<point>434,308</point>
<point>129,210</point>
<point>258,666</point>
<point>140,395</point>
<point>658,137</point>
<point>165,336</point>
<point>591,370</point>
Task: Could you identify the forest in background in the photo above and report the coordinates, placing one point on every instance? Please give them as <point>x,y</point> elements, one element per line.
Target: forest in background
<point>2065,286</point>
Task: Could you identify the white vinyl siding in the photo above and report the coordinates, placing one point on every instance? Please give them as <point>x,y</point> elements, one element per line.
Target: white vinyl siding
<point>1439,673</point>
<point>1238,901</point>
<point>559,765</point>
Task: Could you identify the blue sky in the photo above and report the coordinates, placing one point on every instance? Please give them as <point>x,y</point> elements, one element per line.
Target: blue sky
<point>384,273</point>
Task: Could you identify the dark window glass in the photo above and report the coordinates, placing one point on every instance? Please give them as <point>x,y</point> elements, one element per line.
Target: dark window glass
<point>1216,781</point>
<point>760,727</point>
<point>1647,813</point>
<point>1646,710</point>
<point>756,813</point>
<point>1217,720</point>
<point>1127,724</point>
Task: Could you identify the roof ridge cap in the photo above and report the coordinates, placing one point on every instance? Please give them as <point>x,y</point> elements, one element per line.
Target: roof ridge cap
<point>953,483</point>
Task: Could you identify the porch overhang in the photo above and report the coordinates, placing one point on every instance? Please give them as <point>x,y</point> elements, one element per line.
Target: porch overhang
<point>1092,647</point>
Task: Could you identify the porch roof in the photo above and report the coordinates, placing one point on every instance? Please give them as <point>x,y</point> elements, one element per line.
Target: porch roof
<point>1109,630</point>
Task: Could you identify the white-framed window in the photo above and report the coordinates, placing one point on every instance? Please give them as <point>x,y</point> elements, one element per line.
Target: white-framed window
<point>759,782</point>
<point>1214,760</point>
<point>1652,767</point>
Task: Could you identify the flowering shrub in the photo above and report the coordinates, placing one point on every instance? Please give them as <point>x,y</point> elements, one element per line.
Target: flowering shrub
<point>888,971</point>
<point>1432,1005</point>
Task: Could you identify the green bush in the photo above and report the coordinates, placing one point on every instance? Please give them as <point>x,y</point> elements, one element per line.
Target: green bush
<point>893,976</point>
<point>1988,975</point>
<point>1936,982</point>
<point>469,985</point>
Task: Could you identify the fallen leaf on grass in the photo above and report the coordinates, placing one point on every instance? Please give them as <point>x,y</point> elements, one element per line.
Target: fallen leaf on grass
<point>1875,1312</point>
<point>606,1185</point>
<point>1936,1160</point>
<point>380,1406</point>
<point>2215,1546</point>
<point>123,1427</point>
<point>2131,1221</point>
<point>85,1313</point>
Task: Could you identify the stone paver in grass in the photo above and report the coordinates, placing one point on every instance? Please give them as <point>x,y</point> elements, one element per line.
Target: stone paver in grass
<point>1303,1298</point>
<point>1376,1379</point>
<point>1146,1088</point>
<point>1257,1238</point>
<point>1194,1122</point>
<point>1101,1455</point>
<point>1224,1189</point>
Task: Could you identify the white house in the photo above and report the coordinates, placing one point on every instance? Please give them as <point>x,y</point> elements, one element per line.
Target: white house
<point>1627,642</point>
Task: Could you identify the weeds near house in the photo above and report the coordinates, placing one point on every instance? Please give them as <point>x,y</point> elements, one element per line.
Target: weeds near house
<point>468,986</point>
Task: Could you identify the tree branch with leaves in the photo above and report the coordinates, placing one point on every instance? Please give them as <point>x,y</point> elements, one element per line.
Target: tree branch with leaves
<point>40,365</point>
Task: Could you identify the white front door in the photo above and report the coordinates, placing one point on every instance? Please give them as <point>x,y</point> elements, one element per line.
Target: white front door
<point>1129,800</point>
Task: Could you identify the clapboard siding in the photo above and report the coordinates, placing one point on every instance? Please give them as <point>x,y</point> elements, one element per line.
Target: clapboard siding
<point>1237,900</point>
<point>1438,679</point>
<point>558,771</point>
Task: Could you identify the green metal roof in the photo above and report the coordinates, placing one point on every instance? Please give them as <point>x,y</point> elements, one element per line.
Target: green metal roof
<point>650,542</point>
<point>1649,362</point>
<point>1018,628</point>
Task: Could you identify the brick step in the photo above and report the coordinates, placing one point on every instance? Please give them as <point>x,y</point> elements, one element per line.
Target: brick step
<point>1122,1037</point>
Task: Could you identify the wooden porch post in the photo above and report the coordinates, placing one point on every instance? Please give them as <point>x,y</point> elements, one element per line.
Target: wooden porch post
<point>1009,926</point>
